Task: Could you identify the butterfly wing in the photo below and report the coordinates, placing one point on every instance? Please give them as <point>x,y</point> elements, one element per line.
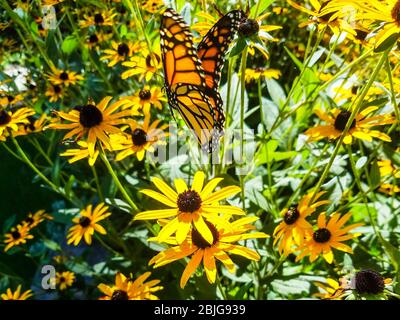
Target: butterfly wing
<point>212,48</point>
<point>180,60</point>
<point>194,106</point>
<point>184,78</point>
<point>211,51</point>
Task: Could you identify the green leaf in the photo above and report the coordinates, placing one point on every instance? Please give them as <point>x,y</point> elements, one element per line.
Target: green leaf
<point>276,92</point>
<point>8,223</point>
<point>375,174</point>
<point>34,28</point>
<point>238,47</point>
<point>392,252</point>
<point>96,3</point>
<point>260,7</point>
<point>298,63</point>
<point>268,153</point>
<point>52,245</point>
<point>69,44</point>
<point>51,46</point>
<point>123,30</point>
<point>387,43</point>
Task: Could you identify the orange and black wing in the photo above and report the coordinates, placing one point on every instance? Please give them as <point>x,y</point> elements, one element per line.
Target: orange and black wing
<point>194,107</point>
<point>211,52</point>
<point>212,48</point>
<point>180,60</point>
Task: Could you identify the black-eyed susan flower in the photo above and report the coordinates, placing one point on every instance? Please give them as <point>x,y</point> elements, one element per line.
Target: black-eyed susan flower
<point>360,127</point>
<point>80,153</point>
<point>120,51</point>
<point>140,139</point>
<point>9,99</point>
<point>322,17</point>
<point>18,235</point>
<point>389,188</point>
<point>63,77</point>
<point>34,219</point>
<point>87,223</point>
<point>10,121</point>
<point>16,295</point>
<point>252,29</point>
<point>35,125</point>
<point>291,231</point>
<point>64,279</point>
<point>328,235</point>
<point>368,283</point>
<point>131,289</point>
<point>98,19</point>
<point>200,251</point>
<point>145,65</point>
<point>55,92</point>
<point>386,168</point>
<point>95,121</point>
<point>189,206</point>
<point>383,14</point>
<point>145,98</point>
<point>152,6</point>
<point>257,73</point>
<point>330,289</point>
<point>95,39</point>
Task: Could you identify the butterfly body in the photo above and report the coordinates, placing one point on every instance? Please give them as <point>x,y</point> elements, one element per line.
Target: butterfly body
<point>192,75</point>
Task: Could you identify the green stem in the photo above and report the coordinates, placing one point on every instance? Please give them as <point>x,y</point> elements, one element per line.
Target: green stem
<point>393,94</point>
<point>117,182</point>
<point>220,288</point>
<point>242,93</point>
<point>39,148</point>
<point>354,112</point>
<point>34,168</point>
<point>98,186</point>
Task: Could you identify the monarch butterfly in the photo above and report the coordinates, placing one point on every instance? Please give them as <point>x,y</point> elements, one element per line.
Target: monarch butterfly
<point>192,76</point>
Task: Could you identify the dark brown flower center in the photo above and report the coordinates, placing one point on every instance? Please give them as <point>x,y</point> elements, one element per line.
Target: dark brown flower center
<point>341,120</point>
<point>62,279</point>
<point>248,27</point>
<point>16,235</point>
<point>5,118</point>
<point>200,242</point>
<point>90,116</point>
<point>189,201</point>
<point>354,89</point>
<point>322,235</point>
<point>64,75</point>
<point>361,34</point>
<point>84,222</point>
<point>30,125</point>
<point>325,17</point>
<point>29,220</point>
<point>150,62</point>
<point>123,49</point>
<point>291,215</point>
<point>10,98</point>
<point>144,94</point>
<point>396,12</point>
<point>119,295</point>
<point>139,137</point>
<point>98,18</point>
<point>93,38</point>
<point>57,89</point>
<point>369,281</point>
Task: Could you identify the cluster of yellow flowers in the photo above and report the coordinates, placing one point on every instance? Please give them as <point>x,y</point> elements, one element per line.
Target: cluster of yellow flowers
<point>197,226</point>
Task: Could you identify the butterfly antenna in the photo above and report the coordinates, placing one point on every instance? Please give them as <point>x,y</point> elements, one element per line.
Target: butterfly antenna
<point>217,9</point>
